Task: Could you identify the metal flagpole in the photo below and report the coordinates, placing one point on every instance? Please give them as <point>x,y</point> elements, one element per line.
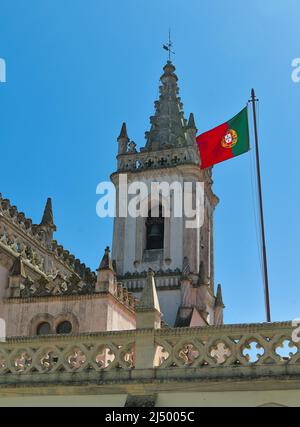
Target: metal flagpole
<point>264,251</point>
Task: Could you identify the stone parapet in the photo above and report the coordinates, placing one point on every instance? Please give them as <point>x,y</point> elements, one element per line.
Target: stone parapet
<point>201,355</point>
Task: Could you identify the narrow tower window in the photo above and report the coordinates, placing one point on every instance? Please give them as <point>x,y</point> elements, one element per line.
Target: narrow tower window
<point>155,231</point>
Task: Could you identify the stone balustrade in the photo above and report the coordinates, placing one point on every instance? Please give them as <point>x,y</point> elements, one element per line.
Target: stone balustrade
<point>53,356</point>
<point>231,351</point>
<point>228,346</point>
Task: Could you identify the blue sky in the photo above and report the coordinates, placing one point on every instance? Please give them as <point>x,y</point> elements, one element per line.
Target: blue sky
<point>76,69</point>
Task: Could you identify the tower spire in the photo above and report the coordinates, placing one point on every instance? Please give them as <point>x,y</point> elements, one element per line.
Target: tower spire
<point>168,125</point>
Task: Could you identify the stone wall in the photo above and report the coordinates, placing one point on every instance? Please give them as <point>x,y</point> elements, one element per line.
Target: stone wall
<point>86,313</point>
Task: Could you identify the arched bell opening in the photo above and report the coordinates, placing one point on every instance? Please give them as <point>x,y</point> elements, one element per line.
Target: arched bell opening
<point>155,230</point>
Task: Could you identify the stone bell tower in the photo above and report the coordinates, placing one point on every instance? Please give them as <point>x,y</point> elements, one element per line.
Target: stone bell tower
<point>181,257</point>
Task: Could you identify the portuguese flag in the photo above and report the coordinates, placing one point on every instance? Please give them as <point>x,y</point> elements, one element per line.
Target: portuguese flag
<point>225,141</point>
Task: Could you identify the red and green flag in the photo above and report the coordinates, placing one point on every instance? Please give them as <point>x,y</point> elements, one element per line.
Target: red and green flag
<point>225,141</point>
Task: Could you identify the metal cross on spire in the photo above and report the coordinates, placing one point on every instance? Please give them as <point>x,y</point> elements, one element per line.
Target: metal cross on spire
<point>168,46</point>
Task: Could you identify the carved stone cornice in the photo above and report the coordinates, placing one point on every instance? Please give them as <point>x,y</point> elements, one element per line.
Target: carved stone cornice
<point>182,170</point>
<point>227,328</point>
<point>64,298</point>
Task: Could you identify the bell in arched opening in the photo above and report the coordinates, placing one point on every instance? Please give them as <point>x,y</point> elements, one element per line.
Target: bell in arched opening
<point>155,231</point>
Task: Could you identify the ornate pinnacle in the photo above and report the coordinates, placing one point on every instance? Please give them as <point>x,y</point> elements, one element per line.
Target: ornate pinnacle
<point>47,220</point>
<point>149,299</point>
<point>123,133</point>
<point>106,262</point>
<point>191,122</point>
<point>219,298</point>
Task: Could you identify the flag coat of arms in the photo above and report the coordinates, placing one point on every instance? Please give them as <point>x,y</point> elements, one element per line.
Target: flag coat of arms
<point>225,141</point>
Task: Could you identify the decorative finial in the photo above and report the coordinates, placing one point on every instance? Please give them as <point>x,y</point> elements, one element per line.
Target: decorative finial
<point>168,46</point>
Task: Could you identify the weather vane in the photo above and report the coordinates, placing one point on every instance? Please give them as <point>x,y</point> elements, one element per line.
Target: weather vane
<point>168,46</point>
